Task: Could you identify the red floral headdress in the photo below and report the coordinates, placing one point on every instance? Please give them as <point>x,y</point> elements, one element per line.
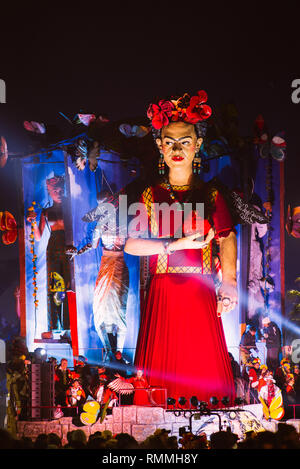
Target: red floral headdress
<point>55,181</point>
<point>187,109</point>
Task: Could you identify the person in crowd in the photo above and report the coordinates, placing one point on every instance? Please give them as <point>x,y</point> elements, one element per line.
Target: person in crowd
<point>63,378</point>
<point>118,366</point>
<point>262,377</point>
<point>282,372</point>
<point>296,372</point>
<point>272,338</point>
<point>236,371</point>
<point>247,344</point>
<point>140,384</point>
<point>223,440</point>
<point>254,374</point>
<point>82,371</point>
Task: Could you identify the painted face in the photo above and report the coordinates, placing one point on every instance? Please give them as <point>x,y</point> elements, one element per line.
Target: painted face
<point>139,373</point>
<point>178,144</point>
<point>56,194</point>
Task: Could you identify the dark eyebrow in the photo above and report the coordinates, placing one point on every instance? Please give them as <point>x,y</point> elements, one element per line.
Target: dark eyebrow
<point>181,138</point>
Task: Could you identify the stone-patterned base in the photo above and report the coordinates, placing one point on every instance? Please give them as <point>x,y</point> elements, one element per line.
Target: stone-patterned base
<point>141,422</point>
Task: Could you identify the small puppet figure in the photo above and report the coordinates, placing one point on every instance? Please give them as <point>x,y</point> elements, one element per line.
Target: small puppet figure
<point>75,395</point>
<point>270,397</point>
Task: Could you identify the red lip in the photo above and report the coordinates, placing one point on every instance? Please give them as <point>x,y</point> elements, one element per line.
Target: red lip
<point>177,158</point>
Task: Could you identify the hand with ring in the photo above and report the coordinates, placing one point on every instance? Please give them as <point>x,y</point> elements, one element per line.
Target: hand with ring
<point>227,298</point>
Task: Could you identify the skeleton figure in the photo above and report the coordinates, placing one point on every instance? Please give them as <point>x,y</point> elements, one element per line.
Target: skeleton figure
<point>255,296</point>
<point>112,283</point>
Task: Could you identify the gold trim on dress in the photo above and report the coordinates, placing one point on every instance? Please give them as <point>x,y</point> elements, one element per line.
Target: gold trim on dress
<point>185,270</point>
<point>162,265</point>
<point>185,187</point>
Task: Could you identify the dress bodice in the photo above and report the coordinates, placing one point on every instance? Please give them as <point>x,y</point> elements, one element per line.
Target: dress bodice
<point>177,223</point>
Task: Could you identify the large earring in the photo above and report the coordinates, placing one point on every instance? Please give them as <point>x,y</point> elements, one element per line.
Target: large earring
<point>161,165</point>
<point>197,164</point>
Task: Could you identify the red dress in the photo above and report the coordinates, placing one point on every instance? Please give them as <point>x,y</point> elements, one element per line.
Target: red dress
<point>181,344</point>
<point>140,394</point>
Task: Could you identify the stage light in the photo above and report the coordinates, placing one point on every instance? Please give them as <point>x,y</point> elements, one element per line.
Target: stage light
<point>39,355</point>
<point>214,400</point>
<point>182,401</point>
<point>225,400</point>
<point>171,401</point>
<point>194,401</point>
<point>239,401</point>
<point>203,405</point>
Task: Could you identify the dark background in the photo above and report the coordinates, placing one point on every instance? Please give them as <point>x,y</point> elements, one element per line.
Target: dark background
<point>116,63</point>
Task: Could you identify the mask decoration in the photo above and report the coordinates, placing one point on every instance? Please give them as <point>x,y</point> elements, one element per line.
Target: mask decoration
<point>9,227</point>
<point>275,146</point>
<point>3,152</point>
<point>138,131</point>
<point>293,221</point>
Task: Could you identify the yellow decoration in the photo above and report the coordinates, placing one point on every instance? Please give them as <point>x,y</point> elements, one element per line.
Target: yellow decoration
<point>34,257</point>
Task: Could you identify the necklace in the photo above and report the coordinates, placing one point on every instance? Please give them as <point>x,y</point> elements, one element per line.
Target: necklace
<point>169,187</point>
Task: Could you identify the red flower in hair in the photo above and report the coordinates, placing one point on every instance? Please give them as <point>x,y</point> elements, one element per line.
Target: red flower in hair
<point>197,110</point>
<point>160,113</point>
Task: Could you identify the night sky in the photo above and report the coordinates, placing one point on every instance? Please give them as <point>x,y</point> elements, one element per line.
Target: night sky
<point>64,61</point>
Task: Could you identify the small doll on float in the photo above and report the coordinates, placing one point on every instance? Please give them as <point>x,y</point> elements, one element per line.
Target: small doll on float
<point>75,395</point>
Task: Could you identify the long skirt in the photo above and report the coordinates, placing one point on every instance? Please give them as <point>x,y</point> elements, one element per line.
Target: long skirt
<point>110,300</point>
<point>181,344</point>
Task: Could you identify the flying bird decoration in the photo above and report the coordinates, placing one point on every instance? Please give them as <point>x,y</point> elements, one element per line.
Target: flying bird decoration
<point>275,146</point>
<point>120,386</point>
<point>138,131</point>
<point>88,119</point>
<point>35,127</point>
